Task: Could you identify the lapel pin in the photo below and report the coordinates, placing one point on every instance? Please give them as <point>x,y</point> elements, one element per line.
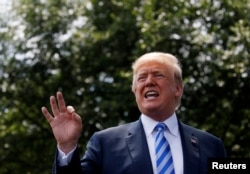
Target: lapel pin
<point>193,141</point>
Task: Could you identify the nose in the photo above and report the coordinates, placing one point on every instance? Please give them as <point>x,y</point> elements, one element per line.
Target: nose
<point>149,81</point>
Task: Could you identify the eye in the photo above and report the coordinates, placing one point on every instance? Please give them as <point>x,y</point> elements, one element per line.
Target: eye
<point>141,78</point>
<point>159,75</point>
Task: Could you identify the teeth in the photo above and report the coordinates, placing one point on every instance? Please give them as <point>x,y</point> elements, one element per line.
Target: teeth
<point>151,94</point>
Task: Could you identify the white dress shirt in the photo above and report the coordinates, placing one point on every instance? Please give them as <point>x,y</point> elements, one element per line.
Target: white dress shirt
<point>173,137</point>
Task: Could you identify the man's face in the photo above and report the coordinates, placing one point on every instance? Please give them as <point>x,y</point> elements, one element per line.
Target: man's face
<point>155,90</point>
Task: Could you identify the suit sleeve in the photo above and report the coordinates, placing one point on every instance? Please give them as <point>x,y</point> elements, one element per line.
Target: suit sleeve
<point>89,164</point>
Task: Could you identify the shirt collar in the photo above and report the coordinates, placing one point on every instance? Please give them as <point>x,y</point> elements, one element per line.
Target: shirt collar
<point>149,124</point>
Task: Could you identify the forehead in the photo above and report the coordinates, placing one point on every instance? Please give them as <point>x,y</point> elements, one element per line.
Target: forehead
<point>151,67</point>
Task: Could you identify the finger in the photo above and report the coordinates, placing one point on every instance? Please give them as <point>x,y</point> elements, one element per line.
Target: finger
<point>70,109</point>
<point>47,115</point>
<point>77,118</point>
<point>54,106</point>
<point>61,102</point>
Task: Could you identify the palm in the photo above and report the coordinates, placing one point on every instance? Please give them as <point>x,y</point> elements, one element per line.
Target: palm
<point>65,128</point>
<point>65,123</point>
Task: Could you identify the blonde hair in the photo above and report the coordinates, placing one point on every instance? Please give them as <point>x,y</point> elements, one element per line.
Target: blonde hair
<point>163,58</point>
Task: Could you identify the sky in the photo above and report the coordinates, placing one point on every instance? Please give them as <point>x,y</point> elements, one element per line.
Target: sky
<point>5,6</point>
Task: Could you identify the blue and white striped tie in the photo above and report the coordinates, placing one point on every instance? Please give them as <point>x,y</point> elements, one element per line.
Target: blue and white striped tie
<point>164,158</point>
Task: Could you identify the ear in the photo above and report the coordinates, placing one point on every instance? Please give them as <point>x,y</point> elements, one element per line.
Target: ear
<point>133,86</point>
<point>178,90</point>
<point>133,89</point>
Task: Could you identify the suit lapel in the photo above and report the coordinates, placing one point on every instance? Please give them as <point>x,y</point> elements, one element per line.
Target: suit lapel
<point>138,149</point>
<point>191,150</point>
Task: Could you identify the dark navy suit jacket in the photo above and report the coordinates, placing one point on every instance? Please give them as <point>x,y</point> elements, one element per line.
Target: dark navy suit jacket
<point>124,150</point>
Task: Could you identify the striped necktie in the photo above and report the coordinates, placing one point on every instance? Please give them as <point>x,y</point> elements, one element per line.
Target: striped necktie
<point>164,160</point>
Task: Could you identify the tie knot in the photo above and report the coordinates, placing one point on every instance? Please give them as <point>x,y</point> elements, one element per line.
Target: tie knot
<point>160,127</point>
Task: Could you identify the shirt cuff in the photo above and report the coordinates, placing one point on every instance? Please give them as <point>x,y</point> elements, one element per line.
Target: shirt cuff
<point>64,159</point>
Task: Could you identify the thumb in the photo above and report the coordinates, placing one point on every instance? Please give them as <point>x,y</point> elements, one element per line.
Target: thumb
<point>73,114</point>
<point>70,109</point>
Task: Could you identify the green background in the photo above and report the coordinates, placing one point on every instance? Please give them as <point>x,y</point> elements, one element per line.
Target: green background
<point>85,49</point>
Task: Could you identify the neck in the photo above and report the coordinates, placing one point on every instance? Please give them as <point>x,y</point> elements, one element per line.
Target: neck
<point>159,117</point>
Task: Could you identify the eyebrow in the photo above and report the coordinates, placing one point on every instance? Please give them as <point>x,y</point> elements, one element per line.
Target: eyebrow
<point>151,71</point>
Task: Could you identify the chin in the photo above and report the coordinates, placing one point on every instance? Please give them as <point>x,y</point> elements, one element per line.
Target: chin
<point>151,109</point>
<point>150,104</point>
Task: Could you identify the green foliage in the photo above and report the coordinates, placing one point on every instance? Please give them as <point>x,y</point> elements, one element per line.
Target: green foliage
<point>85,49</point>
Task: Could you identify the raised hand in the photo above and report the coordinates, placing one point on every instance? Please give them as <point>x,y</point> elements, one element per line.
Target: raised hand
<point>66,124</point>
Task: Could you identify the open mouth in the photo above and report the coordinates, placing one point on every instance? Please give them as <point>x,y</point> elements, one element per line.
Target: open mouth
<point>151,94</point>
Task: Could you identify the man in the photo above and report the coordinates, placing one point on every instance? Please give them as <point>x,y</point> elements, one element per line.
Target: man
<point>135,147</point>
